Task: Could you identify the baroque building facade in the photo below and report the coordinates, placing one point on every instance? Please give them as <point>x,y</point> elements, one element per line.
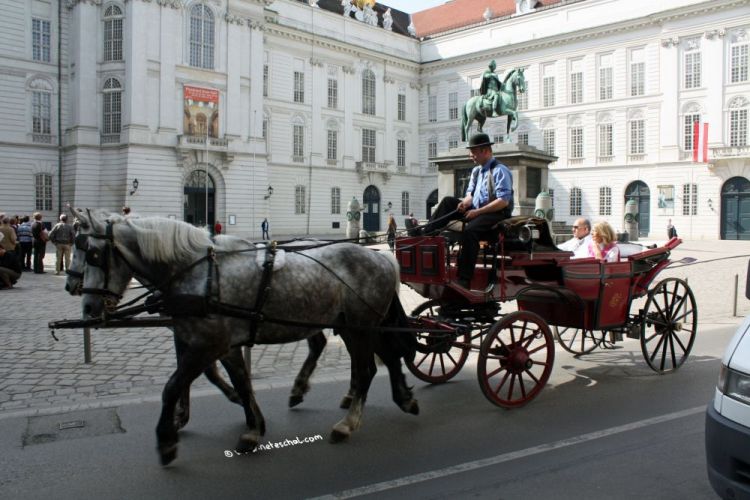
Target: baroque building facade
<point>240,110</point>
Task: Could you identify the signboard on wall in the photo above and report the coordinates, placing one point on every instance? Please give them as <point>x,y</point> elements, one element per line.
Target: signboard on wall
<point>201,116</point>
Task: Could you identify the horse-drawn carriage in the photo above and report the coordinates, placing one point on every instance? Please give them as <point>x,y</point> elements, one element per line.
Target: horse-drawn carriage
<point>587,302</point>
<point>218,295</point>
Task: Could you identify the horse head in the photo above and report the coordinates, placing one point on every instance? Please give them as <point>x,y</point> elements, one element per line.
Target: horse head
<point>103,272</point>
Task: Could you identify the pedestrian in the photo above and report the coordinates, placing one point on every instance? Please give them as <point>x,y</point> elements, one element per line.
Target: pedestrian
<point>25,243</point>
<point>40,237</point>
<point>264,229</point>
<point>9,270</point>
<point>217,228</point>
<point>126,210</point>
<point>391,232</point>
<point>62,236</point>
<point>671,231</point>
<point>9,237</point>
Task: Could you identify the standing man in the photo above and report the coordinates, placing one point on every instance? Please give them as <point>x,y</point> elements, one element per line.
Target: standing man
<point>25,242</point>
<point>62,236</point>
<point>490,88</point>
<point>39,234</point>
<point>581,237</point>
<point>264,229</point>
<point>488,200</point>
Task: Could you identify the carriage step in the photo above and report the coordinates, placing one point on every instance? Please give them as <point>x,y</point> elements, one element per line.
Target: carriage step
<point>633,331</point>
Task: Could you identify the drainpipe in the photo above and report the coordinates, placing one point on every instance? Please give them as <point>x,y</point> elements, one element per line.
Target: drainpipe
<point>59,107</point>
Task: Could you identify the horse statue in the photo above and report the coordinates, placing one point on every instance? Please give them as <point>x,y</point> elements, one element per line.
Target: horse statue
<point>222,294</point>
<point>479,107</point>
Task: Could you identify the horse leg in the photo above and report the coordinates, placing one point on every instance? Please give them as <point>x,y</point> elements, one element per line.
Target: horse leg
<point>363,371</point>
<point>316,344</point>
<point>189,366</point>
<point>346,401</point>
<point>182,410</point>
<point>234,363</point>
<point>402,394</point>
<point>212,374</point>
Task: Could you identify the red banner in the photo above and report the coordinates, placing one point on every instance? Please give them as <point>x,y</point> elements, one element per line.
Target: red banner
<point>199,94</point>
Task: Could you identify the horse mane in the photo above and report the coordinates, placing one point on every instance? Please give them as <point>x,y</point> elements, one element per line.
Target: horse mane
<point>168,240</point>
<point>508,75</point>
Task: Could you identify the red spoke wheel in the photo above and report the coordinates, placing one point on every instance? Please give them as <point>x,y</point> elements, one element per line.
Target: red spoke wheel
<point>515,360</point>
<point>577,340</point>
<point>438,359</point>
<point>670,322</point>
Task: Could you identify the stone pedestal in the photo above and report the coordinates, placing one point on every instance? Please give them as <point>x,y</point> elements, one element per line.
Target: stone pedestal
<point>528,165</point>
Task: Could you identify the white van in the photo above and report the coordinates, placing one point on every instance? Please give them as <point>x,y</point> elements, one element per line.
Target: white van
<point>728,421</point>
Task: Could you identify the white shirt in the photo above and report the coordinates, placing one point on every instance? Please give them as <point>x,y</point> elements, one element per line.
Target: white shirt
<point>577,246</point>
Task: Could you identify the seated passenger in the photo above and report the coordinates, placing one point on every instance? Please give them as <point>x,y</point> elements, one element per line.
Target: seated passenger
<point>578,244</point>
<point>603,244</point>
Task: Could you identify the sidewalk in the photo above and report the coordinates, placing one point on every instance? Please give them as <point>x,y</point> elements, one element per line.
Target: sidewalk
<point>39,374</point>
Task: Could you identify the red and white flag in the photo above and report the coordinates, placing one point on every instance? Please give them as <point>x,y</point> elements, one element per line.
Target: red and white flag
<point>700,142</point>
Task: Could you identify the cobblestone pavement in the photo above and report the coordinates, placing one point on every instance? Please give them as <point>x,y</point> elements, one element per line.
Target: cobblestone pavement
<point>40,375</point>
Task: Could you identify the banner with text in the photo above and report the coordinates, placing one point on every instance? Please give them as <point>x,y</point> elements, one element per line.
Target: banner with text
<point>201,117</point>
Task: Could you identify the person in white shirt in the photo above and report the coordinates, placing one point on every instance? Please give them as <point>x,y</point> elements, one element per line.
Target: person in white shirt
<point>578,244</point>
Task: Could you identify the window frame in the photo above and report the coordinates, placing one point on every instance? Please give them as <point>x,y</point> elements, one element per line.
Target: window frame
<point>369,145</point>
<point>692,78</point>
<point>605,200</point>
<point>300,207</point>
<point>576,143</point>
<point>335,200</point>
<point>690,199</point>
<point>41,112</point>
<point>548,138</point>
<point>41,40</point>
<point>368,92</point>
<point>453,105</point>
<point>201,36</point>
<point>333,93</point>
<point>738,127</point>
<point>332,145</point>
<point>405,202</point>
<point>606,140</point>
<point>299,87</point>
<point>576,202</point>
<point>400,152</point>
<point>401,107</point>
<point>113,34</point>
<point>637,137</point>
<point>298,141</point>
<point>43,191</point>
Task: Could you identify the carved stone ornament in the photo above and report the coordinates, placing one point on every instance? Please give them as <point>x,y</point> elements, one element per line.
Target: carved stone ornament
<point>256,25</point>
<point>711,34</point>
<point>692,44</point>
<point>739,36</point>
<point>415,85</point>
<point>389,79</point>
<point>175,4</point>
<point>669,42</point>
<point>234,19</point>
<point>316,62</point>
<point>349,70</point>
<point>72,3</point>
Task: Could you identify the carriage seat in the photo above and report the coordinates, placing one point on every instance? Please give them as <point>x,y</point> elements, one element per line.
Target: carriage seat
<point>522,233</point>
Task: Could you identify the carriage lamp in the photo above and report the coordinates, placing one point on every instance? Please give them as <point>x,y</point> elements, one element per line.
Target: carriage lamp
<point>135,187</point>
<point>270,192</point>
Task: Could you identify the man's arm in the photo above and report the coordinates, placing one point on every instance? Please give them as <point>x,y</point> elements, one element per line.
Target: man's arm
<point>494,206</point>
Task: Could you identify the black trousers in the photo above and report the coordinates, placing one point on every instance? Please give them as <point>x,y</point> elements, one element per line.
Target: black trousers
<point>40,247</point>
<point>473,231</point>
<point>24,254</point>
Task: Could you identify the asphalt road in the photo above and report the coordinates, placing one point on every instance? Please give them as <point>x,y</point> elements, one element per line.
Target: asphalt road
<point>606,426</point>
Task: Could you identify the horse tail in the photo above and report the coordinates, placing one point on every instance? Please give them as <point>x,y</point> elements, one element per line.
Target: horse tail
<point>464,120</point>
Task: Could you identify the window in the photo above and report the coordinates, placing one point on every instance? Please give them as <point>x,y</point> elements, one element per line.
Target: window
<point>498,138</point>
<point>368,92</point>
<point>201,37</point>
<point>738,127</point>
<point>298,139</point>
<point>112,108</point>
<point>335,200</point>
<point>738,57</point>
<point>605,200</point>
<point>452,142</point>
<point>548,141</point>
<point>401,152</point>
<point>265,127</point>
<point>605,140</point>
<point>476,84</point>
<point>43,184</point>
<point>692,65</point>
<point>113,33</point>
<point>576,143</point>
<point>299,199</point>
<point>333,93</point>
<point>401,107</point>
<point>333,142</point>
<point>299,86</point>
<point>690,119</point>
<point>576,81</point>
<point>453,106</point>
<point>432,152</point>
<point>41,112</point>
<point>690,199</point>
<point>265,80</point>
<point>523,138</point>
<point>636,137</point>
<point>522,98</point>
<point>432,108</point>
<point>405,203</point>
<point>368,145</point>
<point>575,201</point>
<point>40,40</point>
<point>605,77</point>
<point>548,85</point>
<point>637,73</point>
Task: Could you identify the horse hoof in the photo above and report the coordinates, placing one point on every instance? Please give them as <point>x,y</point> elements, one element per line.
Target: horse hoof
<point>339,435</point>
<point>180,422</point>
<point>167,454</point>
<point>294,400</point>
<point>411,407</point>
<point>247,442</point>
<point>346,402</point>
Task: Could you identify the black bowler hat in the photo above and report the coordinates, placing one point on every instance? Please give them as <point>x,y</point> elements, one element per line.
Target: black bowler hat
<point>479,140</point>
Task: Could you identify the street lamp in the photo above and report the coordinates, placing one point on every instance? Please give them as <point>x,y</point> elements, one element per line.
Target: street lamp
<point>270,192</point>
<point>135,187</point>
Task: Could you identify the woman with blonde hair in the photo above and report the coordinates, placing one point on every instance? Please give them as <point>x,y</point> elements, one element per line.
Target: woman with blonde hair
<point>603,243</point>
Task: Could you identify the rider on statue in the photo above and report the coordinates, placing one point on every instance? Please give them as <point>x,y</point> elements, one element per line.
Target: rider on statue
<point>490,90</point>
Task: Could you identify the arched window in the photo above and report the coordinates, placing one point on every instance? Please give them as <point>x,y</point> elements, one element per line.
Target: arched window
<point>575,201</point>
<point>112,117</point>
<point>41,109</point>
<point>113,33</point>
<point>201,36</point>
<point>368,92</point>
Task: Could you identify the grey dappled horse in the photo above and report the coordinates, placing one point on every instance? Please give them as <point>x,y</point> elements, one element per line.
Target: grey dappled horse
<point>344,285</point>
<point>506,105</point>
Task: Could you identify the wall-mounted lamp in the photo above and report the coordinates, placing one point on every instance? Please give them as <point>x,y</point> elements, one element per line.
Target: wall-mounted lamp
<point>710,204</point>
<point>270,192</point>
<point>390,206</point>
<point>135,187</point>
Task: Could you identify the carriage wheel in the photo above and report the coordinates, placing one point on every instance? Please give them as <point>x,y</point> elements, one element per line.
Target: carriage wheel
<point>515,360</point>
<point>437,359</point>
<point>577,340</point>
<point>670,321</point>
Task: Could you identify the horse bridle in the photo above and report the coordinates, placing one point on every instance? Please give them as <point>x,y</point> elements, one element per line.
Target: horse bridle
<point>96,257</point>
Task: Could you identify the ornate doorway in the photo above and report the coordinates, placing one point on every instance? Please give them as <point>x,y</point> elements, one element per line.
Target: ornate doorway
<point>638,191</point>
<point>199,199</point>
<point>371,215</point>
<point>735,209</point>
